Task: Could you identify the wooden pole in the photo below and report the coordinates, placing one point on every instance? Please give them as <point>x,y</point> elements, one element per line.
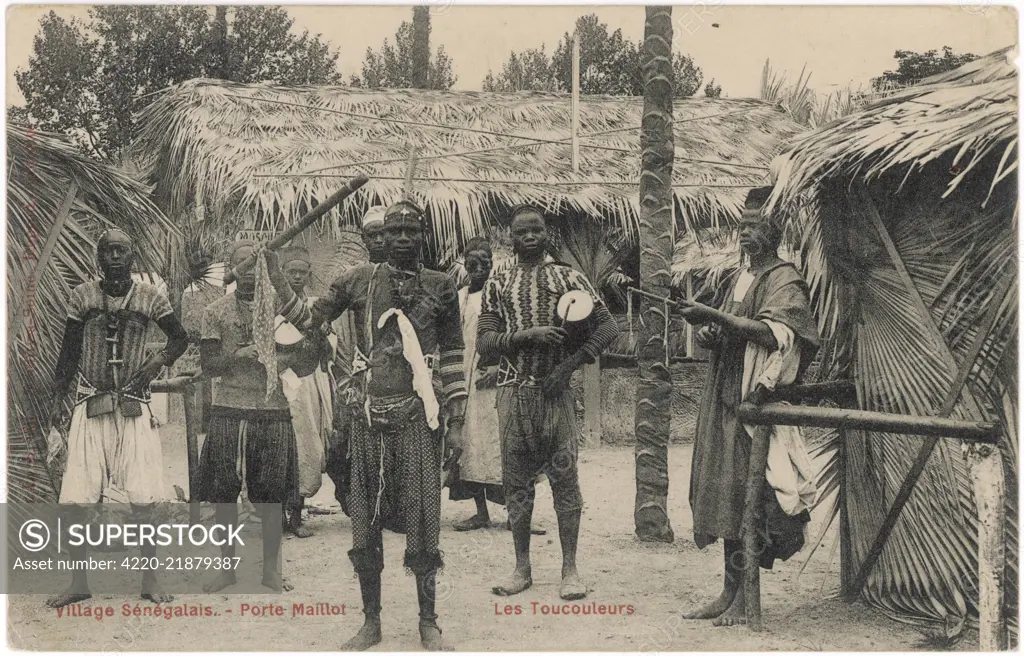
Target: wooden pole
<point>773,414</point>
<point>576,103</point>
<point>757,466</point>
<point>591,372</point>
<point>690,348</point>
<point>188,399</point>
<point>28,302</point>
<point>847,567</point>
<point>916,470</point>
<point>307,220</point>
<point>986,467</point>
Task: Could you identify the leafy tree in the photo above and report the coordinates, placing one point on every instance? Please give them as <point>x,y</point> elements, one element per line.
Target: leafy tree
<point>711,90</point>
<point>912,67</point>
<point>528,71</point>
<point>609,64</point>
<point>87,79</point>
<point>392,67</point>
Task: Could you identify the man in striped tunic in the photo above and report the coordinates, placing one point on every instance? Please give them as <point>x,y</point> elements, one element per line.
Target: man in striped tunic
<point>406,313</point>
<point>536,409</point>
<point>112,441</point>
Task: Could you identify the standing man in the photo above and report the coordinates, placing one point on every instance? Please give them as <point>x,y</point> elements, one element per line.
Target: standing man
<point>309,399</point>
<point>112,441</point>
<point>351,366</point>
<point>764,336</point>
<point>479,465</point>
<point>406,312</point>
<point>250,440</point>
<point>536,410</point>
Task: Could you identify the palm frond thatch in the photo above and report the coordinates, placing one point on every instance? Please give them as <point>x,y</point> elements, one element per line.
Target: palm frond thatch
<point>256,155</point>
<point>932,165</point>
<point>41,168</point>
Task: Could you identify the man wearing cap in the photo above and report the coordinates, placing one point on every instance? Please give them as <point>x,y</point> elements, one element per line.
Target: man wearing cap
<point>112,441</point>
<point>309,399</point>
<point>764,336</point>
<point>519,324</point>
<point>406,313</point>
<point>350,364</point>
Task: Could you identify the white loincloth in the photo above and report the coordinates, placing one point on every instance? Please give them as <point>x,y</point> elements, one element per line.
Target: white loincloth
<point>112,451</point>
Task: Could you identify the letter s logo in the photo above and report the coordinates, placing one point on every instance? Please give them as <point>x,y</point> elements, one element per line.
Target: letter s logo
<point>34,535</point>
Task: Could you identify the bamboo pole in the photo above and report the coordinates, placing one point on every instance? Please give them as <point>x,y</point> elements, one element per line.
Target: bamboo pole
<point>308,219</point>
<point>576,103</point>
<point>986,467</point>
<point>690,345</point>
<point>757,466</point>
<point>778,414</point>
<point>188,399</point>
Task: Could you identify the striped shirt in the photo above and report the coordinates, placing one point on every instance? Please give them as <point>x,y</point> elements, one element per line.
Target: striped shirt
<point>526,297</point>
<point>143,303</point>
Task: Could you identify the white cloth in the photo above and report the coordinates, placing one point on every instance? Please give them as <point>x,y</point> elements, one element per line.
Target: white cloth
<point>421,375</point>
<point>373,215</point>
<point>309,402</point>
<point>789,469</point>
<point>113,453</point>
<point>480,461</point>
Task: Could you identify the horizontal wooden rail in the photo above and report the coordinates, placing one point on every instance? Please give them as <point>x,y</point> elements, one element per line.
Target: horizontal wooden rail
<point>788,415</point>
<point>836,390</point>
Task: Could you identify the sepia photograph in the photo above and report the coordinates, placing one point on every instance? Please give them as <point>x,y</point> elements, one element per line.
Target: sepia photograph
<point>450,327</point>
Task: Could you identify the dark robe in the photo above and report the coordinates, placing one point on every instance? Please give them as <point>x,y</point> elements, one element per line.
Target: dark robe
<point>721,450</point>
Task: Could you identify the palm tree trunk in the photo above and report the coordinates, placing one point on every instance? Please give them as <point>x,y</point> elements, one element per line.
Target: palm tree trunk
<point>420,47</point>
<point>657,223</point>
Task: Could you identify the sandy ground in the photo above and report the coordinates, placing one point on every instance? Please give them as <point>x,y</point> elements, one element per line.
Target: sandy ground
<point>658,580</point>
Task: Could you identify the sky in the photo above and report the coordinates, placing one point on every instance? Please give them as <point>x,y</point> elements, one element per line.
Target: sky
<point>840,45</point>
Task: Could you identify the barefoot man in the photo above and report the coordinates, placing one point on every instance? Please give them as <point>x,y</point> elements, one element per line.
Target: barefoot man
<point>250,440</point>
<point>111,440</point>
<point>310,402</point>
<point>350,367</point>
<point>406,312</point>
<point>764,336</point>
<point>536,408</point>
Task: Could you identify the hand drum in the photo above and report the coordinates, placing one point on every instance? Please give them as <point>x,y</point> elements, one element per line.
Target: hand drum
<point>576,314</point>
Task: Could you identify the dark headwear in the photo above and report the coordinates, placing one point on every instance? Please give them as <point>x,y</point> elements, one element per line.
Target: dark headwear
<point>756,199</point>
<point>293,253</point>
<point>404,208</point>
<point>107,234</point>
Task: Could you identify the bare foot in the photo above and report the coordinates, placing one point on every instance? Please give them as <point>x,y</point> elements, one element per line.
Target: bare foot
<point>301,531</point>
<point>712,609</point>
<point>276,582</point>
<point>735,615</point>
<point>473,523</point>
<point>519,581</point>
<point>368,636</point>
<point>219,582</point>
<point>572,587</point>
<point>157,596</point>
<point>430,637</point>
<point>69,596</point>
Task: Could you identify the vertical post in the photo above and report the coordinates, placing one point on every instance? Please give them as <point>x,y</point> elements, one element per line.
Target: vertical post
<point>690,348</point>
<point>847,568</point>
<point>188,401</point>
<point>986,467</point>
<point>576,103</point>
<point>751,522</point>
<point>591,372</point>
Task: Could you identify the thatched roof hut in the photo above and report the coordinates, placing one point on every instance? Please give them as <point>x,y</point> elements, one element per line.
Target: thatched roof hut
<point>906,215</point>
<point>43,170</point>
<point>256,156</point>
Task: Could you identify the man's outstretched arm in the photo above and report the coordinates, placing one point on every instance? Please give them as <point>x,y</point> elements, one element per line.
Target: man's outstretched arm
<point>67,365</point>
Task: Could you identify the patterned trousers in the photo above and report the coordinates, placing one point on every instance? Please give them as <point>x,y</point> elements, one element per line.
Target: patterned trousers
<point>395,484</point>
